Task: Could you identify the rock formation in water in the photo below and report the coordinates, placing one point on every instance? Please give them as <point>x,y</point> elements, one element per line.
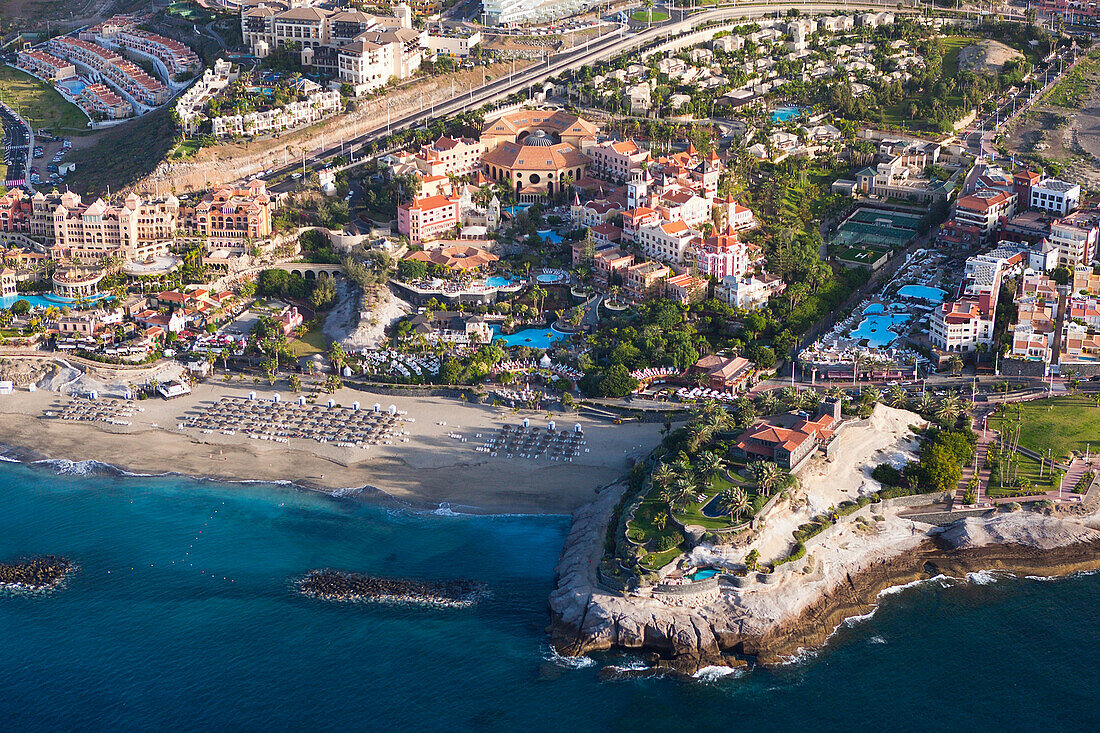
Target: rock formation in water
<point>36,573</point>
<point>339,585</point>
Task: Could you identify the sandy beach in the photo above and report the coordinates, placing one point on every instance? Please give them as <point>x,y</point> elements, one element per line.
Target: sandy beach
<point>430,470</point>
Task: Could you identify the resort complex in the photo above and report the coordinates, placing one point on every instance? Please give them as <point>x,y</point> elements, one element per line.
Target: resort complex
<point>787,307</point>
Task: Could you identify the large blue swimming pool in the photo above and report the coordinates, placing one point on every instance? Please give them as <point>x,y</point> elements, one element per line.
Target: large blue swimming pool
<point>497,281</point>
<point>536,338</point>
<point>923,292</point>
<point>47,300</point>
<point>876,329</point>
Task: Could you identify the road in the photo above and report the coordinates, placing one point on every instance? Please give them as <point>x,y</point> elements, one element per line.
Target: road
<point>17,146</point>
<point>612,44</point>
<point>979,135</point>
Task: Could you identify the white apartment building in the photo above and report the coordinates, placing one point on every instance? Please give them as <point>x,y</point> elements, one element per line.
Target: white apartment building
<point>318,103</point>
<point>1052,194</point>
<point>1073,239</point>
<point>359,49</point>
<point>748,292</point>
<point>682,204</point>
<point>457,45</point>
<point>666,242</point>
<point>985,209</point>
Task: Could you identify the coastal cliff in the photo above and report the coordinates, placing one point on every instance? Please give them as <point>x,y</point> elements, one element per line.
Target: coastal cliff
<point>773,623</point>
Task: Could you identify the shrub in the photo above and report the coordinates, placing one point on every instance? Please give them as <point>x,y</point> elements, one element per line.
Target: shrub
<point>668,541</point>
<point>886,475</point>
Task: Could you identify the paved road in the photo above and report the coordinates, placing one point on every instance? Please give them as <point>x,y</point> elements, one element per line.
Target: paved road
<point>17,146</point>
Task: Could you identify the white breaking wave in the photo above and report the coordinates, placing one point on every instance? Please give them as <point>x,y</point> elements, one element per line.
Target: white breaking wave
<point>349,491</point>
<point>561,660</point>
<point>985,577</point>
<point>713,674</point>
<point>853,620</point>
<point>941,579</point>
<point>5,459</point>
<point>876,639</point>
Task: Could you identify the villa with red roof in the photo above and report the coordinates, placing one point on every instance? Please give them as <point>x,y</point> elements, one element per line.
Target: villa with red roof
<point>789,440</point>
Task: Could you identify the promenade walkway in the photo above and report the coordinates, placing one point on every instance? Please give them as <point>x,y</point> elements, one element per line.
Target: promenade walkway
<point>981,450</point>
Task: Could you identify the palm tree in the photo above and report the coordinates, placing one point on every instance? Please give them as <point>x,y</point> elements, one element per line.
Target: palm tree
<point>769,403</point>
<point>707,464</point>
<point>948,408</point>
<point>663,476</point>
<point>682,492</point>
<point>897,397</point>
<point>792,398</point>
<point>955,363</point>
<point>924,403</point>
<point>734,501</point>
<point>766,474</point>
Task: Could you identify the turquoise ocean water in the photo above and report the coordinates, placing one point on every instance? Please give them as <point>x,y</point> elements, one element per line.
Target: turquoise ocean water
<point>182,617</point>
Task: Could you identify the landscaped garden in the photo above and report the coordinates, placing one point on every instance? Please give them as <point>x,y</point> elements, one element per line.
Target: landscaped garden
<point>696,485</point>
<point>1061,425</point>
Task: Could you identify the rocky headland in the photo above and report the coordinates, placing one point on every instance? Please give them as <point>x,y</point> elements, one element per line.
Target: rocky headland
<point>722,625</point>
<point>339,585</point>
<point>35,574</point>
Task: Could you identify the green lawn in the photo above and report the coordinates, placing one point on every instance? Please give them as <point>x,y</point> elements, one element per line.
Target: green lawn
<point>1062,424</point>
<point>651,16</point>
<point>40,104</point>
<point>693,514</point>
<point>312,343</point>
<point>952,46</point>
<point>1028,468</point>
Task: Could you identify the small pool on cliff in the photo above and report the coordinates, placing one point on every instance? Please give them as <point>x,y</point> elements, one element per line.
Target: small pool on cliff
<point>703,573</point>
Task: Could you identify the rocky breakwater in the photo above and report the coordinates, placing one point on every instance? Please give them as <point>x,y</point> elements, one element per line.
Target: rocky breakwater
<point>773,623</point>
<point>35,574</point>
<point>339,585</point>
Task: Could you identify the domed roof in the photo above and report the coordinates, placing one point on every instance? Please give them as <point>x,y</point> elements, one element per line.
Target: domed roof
<point>539,139</point>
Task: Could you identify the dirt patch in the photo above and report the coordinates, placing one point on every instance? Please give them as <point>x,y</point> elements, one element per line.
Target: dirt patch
<point>986,57</point>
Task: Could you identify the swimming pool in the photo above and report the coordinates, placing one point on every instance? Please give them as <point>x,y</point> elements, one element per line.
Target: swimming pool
<point>549,235</point>
<point>703,573</point>
<point>497,281</point>
<point>876,329</point>
<point>49,299</point>
<point>74,86</point>
<point>517,208</point>
<point>550,278</point>
<point>874,308</point>
<point>536,338</point>
<point>782,114</point>
<point>924,292</point>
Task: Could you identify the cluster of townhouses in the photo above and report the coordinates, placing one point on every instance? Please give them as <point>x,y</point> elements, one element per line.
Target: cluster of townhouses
<point>1058,325</point>
<point>676,232</point>
<point>110,75</point>
<point>135,229</point>
<point>755,62</point>
<point>1036,224</point>
<point>355,48</point>
<point>172,57</point>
